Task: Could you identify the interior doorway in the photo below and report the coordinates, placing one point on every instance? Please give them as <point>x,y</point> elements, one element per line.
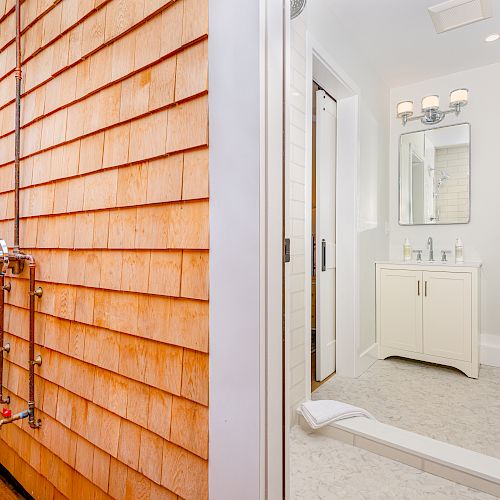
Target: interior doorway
<point>323,236</point>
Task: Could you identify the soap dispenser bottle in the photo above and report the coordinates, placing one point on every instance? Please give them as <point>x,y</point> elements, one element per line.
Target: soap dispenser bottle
<point>459,251</point>
<point>407,250</point>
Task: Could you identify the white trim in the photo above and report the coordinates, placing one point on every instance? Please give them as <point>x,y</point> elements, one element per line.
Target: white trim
<point>246,121</point>
<point>490,350</point>
<point>347,237</point>
<point>276,428</point>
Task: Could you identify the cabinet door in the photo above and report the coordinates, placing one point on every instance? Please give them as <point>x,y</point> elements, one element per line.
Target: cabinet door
<point>447,315</point>
<point>401,309</point>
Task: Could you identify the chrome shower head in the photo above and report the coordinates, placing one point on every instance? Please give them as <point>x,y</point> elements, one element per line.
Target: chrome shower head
<point>296,7</point>
<point>443,176</point>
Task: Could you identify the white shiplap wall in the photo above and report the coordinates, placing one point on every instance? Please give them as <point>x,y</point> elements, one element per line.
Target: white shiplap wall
<point>295,271</point>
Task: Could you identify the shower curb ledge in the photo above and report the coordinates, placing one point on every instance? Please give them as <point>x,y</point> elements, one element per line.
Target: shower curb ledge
<point>448,461</point>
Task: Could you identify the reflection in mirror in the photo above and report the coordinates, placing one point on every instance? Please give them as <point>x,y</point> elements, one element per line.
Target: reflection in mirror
<point>434,176</point>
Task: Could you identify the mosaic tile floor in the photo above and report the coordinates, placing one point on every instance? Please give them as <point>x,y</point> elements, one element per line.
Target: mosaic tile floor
<point>434,401</point>
<point>322,468</point>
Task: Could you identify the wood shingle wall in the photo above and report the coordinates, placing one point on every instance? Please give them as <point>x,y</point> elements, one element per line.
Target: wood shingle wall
<point>114,207</point>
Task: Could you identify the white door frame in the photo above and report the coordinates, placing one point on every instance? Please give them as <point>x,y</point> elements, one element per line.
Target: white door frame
<point>321,68</point>
<point>246,87</point>
<point>248,381</point>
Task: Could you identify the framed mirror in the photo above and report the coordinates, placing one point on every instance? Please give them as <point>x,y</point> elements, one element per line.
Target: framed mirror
<point>434,176</point>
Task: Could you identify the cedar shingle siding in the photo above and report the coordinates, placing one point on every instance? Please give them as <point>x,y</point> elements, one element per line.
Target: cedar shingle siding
<point>114,207</point>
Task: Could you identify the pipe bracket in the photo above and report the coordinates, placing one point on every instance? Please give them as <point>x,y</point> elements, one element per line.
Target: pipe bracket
<point>37,361</point>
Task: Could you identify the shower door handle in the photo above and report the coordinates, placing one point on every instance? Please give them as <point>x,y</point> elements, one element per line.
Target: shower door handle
<point>323,255</point>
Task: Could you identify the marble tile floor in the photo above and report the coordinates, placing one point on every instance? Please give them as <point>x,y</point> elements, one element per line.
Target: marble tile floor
<point>434,401</point>
<point>322,468</point>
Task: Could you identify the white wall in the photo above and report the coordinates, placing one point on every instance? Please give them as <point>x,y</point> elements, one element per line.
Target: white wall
<point>481,236</point>
<point>372,197</point>
<point>235,229</point>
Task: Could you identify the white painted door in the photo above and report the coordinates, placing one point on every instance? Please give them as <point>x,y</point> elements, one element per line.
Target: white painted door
<point>326,154</point>
<point>447,315</point>
<point>401,309</point>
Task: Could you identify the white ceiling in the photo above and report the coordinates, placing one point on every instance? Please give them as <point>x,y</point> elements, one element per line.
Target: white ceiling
<point>399,39</point>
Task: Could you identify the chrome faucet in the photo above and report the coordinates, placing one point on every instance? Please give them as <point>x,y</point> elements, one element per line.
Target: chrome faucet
<point>430,246</point>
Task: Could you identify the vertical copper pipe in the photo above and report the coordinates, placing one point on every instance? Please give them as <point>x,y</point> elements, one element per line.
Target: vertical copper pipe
<point>18,258</point>
<point>31,401</point>
<point>3,399</point>
<point>17,136</point>
<point>2,302</point>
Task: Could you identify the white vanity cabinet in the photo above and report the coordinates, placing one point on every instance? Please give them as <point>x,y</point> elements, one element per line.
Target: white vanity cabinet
<point>430,313</point>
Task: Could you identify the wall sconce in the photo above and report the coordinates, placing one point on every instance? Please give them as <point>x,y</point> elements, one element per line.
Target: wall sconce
<point>431,114</point>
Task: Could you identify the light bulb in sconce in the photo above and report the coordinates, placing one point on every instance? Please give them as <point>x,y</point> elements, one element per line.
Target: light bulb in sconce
<point>405,110</point>
<point>430,103</point>
<point>458,99</point>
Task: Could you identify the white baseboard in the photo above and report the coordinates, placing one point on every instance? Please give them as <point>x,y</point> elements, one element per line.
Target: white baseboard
<point>490,350</point>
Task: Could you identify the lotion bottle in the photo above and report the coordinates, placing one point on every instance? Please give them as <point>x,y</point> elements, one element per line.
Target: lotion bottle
<point>407,250</point>
<point>459,251</point>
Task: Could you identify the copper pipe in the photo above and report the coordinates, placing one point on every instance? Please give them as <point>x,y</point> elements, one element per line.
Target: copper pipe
<point>2,298</point>
<point>17,137</point>
<point>17,258</point>
<point>17,416</point>
<point>33,292</point>
<point>2,309</point>
<point>32,361</point>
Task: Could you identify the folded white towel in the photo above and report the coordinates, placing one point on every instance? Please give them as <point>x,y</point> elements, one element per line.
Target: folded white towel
<point>322,412</point>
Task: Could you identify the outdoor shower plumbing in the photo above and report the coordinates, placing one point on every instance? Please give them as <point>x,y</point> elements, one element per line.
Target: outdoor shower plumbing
<point>16,259</point>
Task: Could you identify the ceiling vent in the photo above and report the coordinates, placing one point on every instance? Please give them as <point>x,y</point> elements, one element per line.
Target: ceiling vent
<point>453,14</point>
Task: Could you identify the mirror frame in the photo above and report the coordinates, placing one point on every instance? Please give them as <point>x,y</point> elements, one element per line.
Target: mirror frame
<point>470,172</point>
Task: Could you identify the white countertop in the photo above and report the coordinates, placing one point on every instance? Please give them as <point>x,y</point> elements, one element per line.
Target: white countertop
<point>426,263</point>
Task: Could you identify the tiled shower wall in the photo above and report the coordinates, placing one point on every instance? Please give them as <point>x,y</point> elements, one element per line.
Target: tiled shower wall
<point>114,207</point>
<point>296,210</point>
<point>453,197</point>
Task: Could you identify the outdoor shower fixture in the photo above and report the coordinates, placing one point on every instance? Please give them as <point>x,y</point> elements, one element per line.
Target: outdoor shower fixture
<point>15,261</point>
<point>296,7</point>
<point>431,114</point>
